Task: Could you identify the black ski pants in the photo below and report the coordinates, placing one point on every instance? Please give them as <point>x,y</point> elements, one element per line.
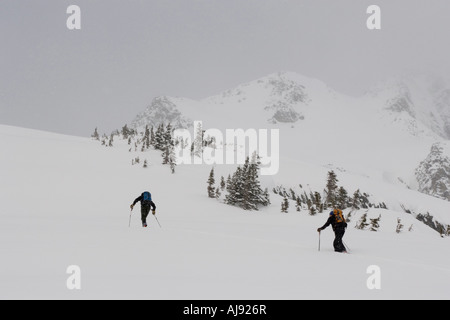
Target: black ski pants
<point>337,243</point>
<point>145,210</point>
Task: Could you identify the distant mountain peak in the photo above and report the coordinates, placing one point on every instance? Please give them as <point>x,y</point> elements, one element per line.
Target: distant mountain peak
<point>422,99</point>
<point>415,104</point>
<point>163,109</point>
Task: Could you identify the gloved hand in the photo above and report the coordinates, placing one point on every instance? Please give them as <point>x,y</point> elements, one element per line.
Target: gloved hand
<point>320,229</point>
<point>153,212</point>
<point>132,206</point>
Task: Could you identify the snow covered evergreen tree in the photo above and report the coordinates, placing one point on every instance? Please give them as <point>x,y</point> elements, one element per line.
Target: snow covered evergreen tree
<point>111,140</point>
<point>159,138</point>
<point>95,135</point>
<point>356,200</point>
<point>298,204</point>
<point>222,183</point>
<point>399,227</point>
<point>331,190</point>
<point>375,223</point>
<point>197,145</point>
<point>317,201</point>
<point>172,159</point>
<point>285,205</point>
<point>362,223</point>
<point>152,137</point>
<point>218,193</point>
<point>147,138</point>
<point>126,132</point>
<point>234,188</point>
<point>342,199</point>
<point>211,182</point>
<point>244,188</point>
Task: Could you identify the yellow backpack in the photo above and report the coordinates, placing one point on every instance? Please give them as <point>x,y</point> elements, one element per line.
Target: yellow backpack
<point>338,215</point>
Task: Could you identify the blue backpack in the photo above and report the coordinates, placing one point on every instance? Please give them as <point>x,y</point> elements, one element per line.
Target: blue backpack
<point>146,196</point>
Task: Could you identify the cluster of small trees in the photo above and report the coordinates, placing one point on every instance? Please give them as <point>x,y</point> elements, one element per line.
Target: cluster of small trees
<point>373,225</point>
<point>429,220</point>
<point>160,139</point>
<point>333,196</point>
<point>243,187</point>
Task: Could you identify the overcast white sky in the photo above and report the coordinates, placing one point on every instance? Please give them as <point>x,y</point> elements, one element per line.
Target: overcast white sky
<point>129,51</point>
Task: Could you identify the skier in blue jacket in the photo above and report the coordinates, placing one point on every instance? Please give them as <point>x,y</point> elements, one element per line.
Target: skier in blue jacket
<point>146,204</point>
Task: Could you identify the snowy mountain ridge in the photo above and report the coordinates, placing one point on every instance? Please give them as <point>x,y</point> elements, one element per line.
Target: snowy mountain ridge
<point>277,98</point>
<point>419,104</point>
<point>401,117</point>
<point>420,101</point>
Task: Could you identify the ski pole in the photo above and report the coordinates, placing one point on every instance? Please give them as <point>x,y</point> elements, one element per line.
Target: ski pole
<point>129,222</point>
<point>319,240</point>
<point>157,220</point>
<point>346,246</point>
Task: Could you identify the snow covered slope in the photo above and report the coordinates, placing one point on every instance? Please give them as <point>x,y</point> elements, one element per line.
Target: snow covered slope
<point>65,201</point>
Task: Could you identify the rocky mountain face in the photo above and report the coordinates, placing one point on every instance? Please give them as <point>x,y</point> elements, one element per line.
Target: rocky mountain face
<point>285,95</point>
<point>421,103</point>
<point>277,98</point>
<point>433,173</point>
<point>162,110</point>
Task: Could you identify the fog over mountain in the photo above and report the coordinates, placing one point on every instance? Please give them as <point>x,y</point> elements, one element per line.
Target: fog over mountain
<point>128,53</point>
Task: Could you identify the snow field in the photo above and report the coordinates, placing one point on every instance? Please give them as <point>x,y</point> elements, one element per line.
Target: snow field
<point>65,201</point>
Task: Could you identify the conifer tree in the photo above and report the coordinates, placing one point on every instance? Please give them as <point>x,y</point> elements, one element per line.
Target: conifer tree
<point>111,139</point>
<point>244,188</point>
<point>317,201</point>
<point>211,181</point>
<point>168,140</point>
<point>331,190</point>
<point>172,159</point>
<point>266,198</point>
<point>293,195</point>
<point>234,188</point>
<point>356,201</point>
<point>375,223</point>
<point>197,145</point>
<point>125,132</point>
<point>342,198</point>
<point>165,155</point>
<point>147,137</point>
<point>298,204</point>
<point>152,137</point>
<point>362,223</point>
<point>228,180</point>
<point>218,193</point>
<point>159,138</point>
<point>95,135</point>
<point>399,227</point>
<point>222,183</point>
<point>285,205</point>
<point>252,188</point>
